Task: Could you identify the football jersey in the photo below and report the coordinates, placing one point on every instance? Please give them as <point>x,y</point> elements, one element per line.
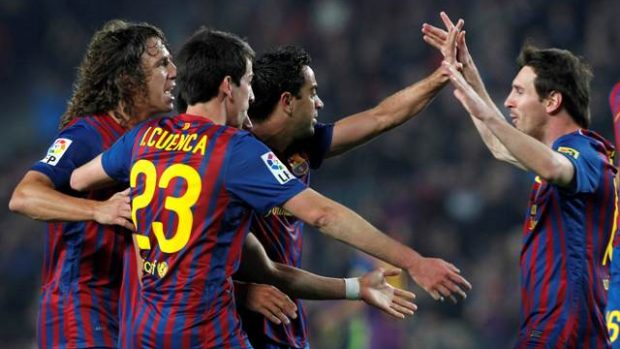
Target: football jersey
<point>565,235</point>
<point>281,235</point>
<point>193,187</point>
<point>82,263</point>
<point>612,312</point>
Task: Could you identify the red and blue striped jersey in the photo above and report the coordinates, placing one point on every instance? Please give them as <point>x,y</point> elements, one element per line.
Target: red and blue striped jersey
<point>81,274</point>
<point>565,236</point>
<point>281,235</point>
<point>193,187</point>
<point>612,311</point>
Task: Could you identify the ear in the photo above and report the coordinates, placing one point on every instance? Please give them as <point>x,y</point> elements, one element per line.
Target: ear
<point>226,86</point>
<point>286,101</point>
<point>553,102</point>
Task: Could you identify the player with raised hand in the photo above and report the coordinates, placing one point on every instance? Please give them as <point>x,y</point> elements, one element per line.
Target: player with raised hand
<point>571,215</point>
<point>285,117</point>
<point>194,183</point>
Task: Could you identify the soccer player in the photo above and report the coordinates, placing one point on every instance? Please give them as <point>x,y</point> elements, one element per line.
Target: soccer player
<point>126,75</point>
<point>194,183</point>
<point>612,311</point>
<point>571,212</point>
<point>284,116</point>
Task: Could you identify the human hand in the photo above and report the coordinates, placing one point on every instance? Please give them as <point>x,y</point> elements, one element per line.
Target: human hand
<point>115,211</point>
<point>441,40</point>
<point>375,291</point>
<point>270,302</point>
<point>439,278</point>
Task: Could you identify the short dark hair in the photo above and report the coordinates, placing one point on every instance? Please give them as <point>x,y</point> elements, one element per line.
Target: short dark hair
<point>276,72</point>
<point>111,71</point>
<point>561,71</point>
<point>205,60</point>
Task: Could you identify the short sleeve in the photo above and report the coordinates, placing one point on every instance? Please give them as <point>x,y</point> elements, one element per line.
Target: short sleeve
<point>116,161</point>
<point>256,176</point>
<point>587,162</point>
<point>320,143</point>
<point>73,147</point>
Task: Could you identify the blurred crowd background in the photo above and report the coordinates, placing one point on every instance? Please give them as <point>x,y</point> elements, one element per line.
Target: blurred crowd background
<point>431,183</point>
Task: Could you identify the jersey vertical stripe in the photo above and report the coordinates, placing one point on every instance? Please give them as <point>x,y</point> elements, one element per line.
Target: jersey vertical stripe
<point>186,296</point>
<point>564,241</point>
<point>82,264</point>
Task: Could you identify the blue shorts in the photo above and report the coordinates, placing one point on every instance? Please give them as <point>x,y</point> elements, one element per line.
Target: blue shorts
<point>612,311</point>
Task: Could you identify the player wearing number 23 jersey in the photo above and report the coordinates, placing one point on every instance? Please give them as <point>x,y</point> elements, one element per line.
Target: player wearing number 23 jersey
<point>193,187</point>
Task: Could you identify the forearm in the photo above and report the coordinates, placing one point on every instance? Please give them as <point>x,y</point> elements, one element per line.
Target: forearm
<point>393,111</point>
<point>36,198</point>
<point>298,283</point>
<point>407,103</point>
<point>534,155</point>
<point>347,226</point>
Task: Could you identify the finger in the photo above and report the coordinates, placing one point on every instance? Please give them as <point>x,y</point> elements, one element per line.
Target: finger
<point>459,24</point>
<point>434,31</point>
<point>405,303</point>
<point>433,42</point>
<point>401,309</point>
<point>283,318</point>
<point>404,293</point>
<point>124,223</point>
<point>393,313</point>
<point>271,317</point>
<point>444,291</point>
<point>446,20</point>
<point>436,296</point>
<point>460,280</point>
<point>391,272</point>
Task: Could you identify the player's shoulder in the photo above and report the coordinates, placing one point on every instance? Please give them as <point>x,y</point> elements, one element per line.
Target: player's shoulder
<point>583,141</point>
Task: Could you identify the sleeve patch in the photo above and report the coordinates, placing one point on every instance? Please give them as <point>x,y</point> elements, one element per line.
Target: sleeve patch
<point>56,151</point>
<point>569,151</point>
<point>277,169</point>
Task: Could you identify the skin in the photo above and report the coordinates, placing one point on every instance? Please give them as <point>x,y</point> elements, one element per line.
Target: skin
<point>35,195</point>
<point>439,278</point>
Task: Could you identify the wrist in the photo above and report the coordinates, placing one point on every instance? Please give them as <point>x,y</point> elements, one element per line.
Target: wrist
<point>352,288</point>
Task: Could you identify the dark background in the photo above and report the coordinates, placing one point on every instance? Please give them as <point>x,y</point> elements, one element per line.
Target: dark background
<point>430,183</point>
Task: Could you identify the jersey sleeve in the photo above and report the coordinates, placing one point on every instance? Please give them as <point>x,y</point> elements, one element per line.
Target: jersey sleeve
<point>614,100</point>
<point>587,162</point>
<point>73,147</point>
<point>116,161</point>
<point>256,176</point>
<point>320,143</point>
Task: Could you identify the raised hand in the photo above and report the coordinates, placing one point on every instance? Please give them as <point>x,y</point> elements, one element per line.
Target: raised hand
<point>270,302</point>
<point>115,211</point>
<point>375,291</point>
<point>439,278</point>
<point>465,93</point>
<point>441,40</point>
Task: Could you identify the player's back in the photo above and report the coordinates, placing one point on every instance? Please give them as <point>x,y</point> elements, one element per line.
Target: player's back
<point>191,232</point>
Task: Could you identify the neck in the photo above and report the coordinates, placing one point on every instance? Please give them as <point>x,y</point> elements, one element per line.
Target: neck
<point>559,125</point>
<point>214,109</point>
<point>273,133</point>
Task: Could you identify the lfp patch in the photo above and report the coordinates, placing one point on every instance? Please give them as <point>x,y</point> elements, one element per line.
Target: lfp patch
<point>56,151</point>
<point>278,170</point>
<point>569,151</point>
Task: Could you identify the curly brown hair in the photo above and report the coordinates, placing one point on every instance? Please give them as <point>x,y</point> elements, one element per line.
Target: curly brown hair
<point>111,75</point>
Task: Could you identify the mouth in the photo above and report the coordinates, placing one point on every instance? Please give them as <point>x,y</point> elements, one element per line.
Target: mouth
<point>168,92</point>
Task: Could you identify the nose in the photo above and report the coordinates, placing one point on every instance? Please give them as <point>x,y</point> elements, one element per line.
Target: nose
<point>251,95</point>
<point>172,70</point>
<point>318,103</point>
<point>509,102</point>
